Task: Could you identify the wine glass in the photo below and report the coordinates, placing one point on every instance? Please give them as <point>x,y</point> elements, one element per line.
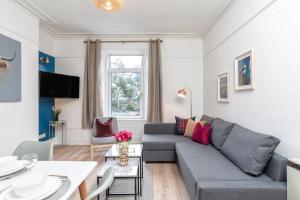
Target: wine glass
<point>30,160</point>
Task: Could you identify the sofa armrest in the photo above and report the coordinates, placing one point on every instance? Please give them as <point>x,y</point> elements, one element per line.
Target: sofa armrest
<point>242,190</point>
<point>159,128</point>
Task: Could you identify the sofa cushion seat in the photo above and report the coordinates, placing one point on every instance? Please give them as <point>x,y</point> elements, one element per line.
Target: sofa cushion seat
<point>205,163</point>
<point>162,142</point>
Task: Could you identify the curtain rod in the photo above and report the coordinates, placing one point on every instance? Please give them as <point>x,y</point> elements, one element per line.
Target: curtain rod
<point>121,41</point>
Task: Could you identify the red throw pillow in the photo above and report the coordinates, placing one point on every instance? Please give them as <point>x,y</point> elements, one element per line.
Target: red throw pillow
<point>104,129</point>
<point>202,133</point>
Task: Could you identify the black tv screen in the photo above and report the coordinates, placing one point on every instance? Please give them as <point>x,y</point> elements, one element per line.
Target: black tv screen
<point>58,85</point>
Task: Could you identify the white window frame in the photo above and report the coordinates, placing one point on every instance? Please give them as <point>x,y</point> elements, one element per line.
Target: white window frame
<point>108,82</point>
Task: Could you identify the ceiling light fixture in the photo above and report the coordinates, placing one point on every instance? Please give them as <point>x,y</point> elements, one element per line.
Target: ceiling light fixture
<point>109,5</point>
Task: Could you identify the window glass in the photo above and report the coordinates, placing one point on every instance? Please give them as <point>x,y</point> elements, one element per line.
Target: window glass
<point>126,94</point>
<point>126,61</point>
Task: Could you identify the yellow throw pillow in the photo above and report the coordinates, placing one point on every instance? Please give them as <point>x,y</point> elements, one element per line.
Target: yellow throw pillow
<point>189,130</point>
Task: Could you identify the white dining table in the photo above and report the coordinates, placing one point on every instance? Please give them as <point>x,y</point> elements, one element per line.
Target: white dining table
<point>77,172</point>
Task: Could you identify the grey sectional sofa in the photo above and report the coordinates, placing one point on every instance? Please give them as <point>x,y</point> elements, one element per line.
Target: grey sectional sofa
<point>207,173</point>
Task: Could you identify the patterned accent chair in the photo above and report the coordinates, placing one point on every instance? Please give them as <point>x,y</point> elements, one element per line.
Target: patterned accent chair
<point>102,141</point>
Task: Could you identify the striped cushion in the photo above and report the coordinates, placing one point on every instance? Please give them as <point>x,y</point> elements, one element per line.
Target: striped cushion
<point>181,125</point>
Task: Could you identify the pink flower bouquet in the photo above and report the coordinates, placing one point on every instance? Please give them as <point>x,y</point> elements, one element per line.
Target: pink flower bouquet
<point>123,136</point>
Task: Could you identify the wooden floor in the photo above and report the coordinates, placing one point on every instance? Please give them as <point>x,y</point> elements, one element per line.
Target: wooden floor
<point>167,181</point>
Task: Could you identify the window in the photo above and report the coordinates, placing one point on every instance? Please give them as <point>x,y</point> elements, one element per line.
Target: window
<point>126,85</point>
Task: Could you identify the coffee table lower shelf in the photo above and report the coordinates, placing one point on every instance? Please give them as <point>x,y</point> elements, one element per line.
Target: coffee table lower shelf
<point>131,171</point>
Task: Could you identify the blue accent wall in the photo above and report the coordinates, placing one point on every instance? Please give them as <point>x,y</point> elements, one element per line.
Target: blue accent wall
<point>45,103</point>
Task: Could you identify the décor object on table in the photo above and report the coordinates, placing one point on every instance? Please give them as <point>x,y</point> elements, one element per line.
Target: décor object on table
<point>109,5</point>
<point>223,87</point>
<point>10,70</point>
<point>244,71</point>
<point>183,93</point>
<point>44,150</point>
<point>123,138</point>
<point>181,125</point>
<point>56,113</point>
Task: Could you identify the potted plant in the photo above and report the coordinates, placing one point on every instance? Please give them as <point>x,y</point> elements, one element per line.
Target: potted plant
<point>122,139</point>
<point>56,113</point>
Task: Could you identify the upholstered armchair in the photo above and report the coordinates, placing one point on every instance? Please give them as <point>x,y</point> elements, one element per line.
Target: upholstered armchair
<point>102,141</point>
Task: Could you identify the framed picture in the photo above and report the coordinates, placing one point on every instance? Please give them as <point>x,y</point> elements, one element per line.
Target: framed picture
<point>244,71</point>
<point>10,70</point>
<point>223,87</point>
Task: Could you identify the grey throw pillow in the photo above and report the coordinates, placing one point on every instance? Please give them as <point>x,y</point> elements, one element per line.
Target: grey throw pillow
<point>249,150</point>
<point>220,131</point>
<point>207,118</point>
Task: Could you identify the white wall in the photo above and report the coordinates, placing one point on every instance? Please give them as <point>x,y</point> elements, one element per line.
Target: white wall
<point>19,120</point>
<point>271,29</point>
<point>182,66</point>
<point>46,42</point>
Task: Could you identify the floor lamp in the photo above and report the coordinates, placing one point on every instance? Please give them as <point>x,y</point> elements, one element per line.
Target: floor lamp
<point>183,93</point>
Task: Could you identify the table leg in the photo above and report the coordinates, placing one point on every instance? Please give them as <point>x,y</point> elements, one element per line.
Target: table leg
<point>62,134</point>
<point>106,193</point>
<point>141,176</point>
<point>98,196</point>
<point>139,179</point>
<point>83,190</point>
<point>135,189</point>
<point>142,166</point>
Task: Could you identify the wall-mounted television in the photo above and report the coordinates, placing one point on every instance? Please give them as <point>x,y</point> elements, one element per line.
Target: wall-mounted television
<point>58,85</point>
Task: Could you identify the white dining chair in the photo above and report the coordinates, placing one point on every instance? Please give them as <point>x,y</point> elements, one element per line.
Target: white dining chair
<point>106,182</point>
<point>44,150</point>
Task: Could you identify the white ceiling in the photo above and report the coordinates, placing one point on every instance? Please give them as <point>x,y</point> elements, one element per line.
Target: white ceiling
<point>181,17</point>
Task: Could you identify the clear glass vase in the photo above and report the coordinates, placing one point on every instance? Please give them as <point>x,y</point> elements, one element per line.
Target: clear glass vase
<point>123,153</point>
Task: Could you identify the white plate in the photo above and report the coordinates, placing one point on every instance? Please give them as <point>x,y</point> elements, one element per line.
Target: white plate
<point>11,167</point>
<point>52,185</point>
<point>29,184</point>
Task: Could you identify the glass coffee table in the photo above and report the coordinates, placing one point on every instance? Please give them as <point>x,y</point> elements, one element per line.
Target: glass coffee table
<point>134,151</point>
<point>131,171</point>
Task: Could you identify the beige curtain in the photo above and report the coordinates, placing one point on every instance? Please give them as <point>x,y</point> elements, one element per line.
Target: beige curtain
<point>155,96</point>
<point>92,103</point>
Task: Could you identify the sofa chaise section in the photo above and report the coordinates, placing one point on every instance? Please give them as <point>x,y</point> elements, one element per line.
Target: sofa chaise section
<point>205,163</point>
